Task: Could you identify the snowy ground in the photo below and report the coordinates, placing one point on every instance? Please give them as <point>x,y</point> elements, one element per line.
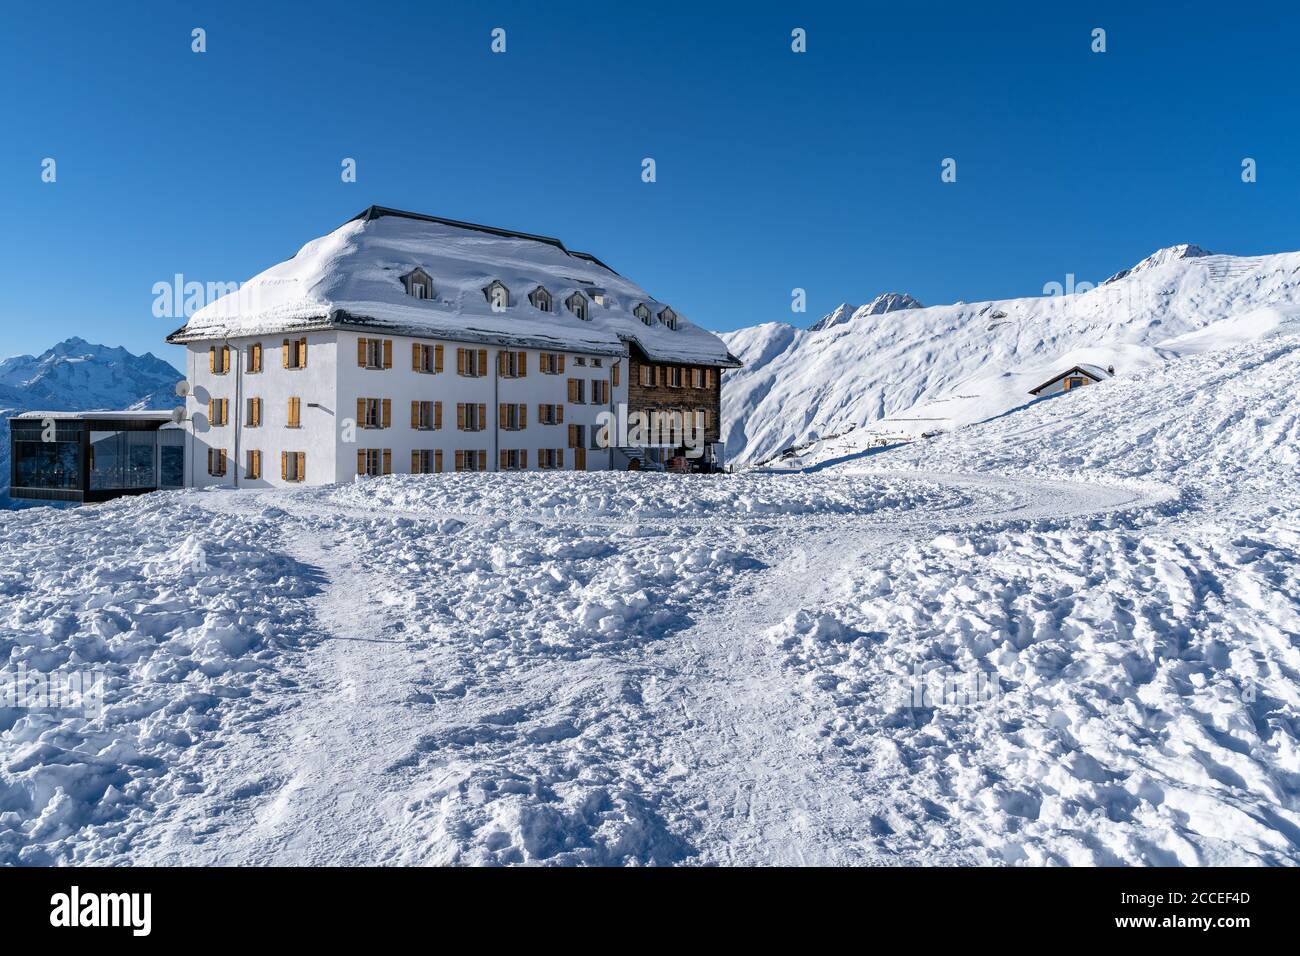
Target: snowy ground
<point>650,669</point>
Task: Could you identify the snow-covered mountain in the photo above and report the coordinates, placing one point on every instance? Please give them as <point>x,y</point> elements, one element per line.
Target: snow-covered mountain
<point>882,374</point>
<point>77,375</point>
<point>885,302</point>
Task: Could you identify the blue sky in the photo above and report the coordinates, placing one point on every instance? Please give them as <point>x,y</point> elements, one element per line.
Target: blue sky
<point>775,170</point>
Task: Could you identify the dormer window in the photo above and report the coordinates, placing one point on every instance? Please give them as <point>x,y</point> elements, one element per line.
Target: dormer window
<point>668,317</point>
<point>642,312</point>
<point>577,304</point>
<point>541,299</point>
<point>497,295</point>
<point>418,284</point>
<point>599,297</point>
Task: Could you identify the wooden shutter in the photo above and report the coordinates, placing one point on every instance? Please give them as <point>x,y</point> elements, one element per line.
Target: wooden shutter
<point>284,466</point>
<point>482,361</point>
<point>225,359</point>
<point>481,463</point>
<point>415,414</point>
<point>415,356</point>
<point>302,466</point>
<point>614,373</point>
<point>502,415</point>
<point>361,461</point>
<point>502,462</point>
<point>561,368</point>
<point>388,461</point>
<point>212,358</point>
<point>415,462</point>
<point>523,415</point>
<point>559,458</point>
<point>522,369</point>
<point>573,391</point>
<point>501,363</point>
<point>460,361</point>
<point>579,459</point>
<point>544,362</point>
<point>482,417</point>
<point>212,405</point>
<point>361,413</point>
<point>437,415</point>
<point>437,460</point>
<point>573,435</point>
<point>388,353</point>
<point>437,358</point>
<point>460,460</point>
<point>460,416</point>
<point>302,353</point>
<point>256,357</point>
<point>523,458</point>
<point>361,353</point>
<point>388,412</point>
<point>284,354</point>
<point>559,414</point>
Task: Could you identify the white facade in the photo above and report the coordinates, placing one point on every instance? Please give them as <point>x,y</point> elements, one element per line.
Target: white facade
<point>333,379</point>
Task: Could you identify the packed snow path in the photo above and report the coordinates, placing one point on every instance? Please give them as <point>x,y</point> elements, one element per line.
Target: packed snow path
<point>404,746</point>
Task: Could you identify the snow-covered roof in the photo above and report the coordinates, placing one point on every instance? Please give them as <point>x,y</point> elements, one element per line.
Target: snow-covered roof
<point>135,415</point>
<point>352,278</point>
<point>1094,372</point>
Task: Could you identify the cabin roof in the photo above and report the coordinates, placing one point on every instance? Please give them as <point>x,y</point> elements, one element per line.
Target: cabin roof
<point>1094,372</point>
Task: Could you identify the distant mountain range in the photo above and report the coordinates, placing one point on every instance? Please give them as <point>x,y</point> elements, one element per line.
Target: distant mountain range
<point>77,375</point>
<point>897,370</point>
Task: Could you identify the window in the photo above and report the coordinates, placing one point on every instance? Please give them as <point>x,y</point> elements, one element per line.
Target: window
<point>255,358</point>
<point>471,460</point>
<point>1075,382</point>
<point>577,391</point>
<point>697,378</point>
<point>577,436</point>
<point>374,412</point>
<point>254,416</point>
<point>426,461</point>
<point>550,414</point>
<point>293,354</point>
<point>418,284</point>
<point>218,412</point>
<point>541,299</point>
<point>514,459</point>
<point>642,312</point>
<point>668,317</point>
<point>512,417</point>
<point>295,413</point>
<point>471,362</point>
<point>471,417</point>
<point>550,458</point>
<point>254,469</point>
<point>293,465</point>
<point>497,295</point>
<point>374,461</point>
<point>597,362</point>
<point>426,358</point>
<point>426,416</point>
<point>599,296</point>
<point>375,353</point>
<point>580,360</point>
<point>217,462</point>
<point>512,364</point>
<point>708,378</point>
<point>600,392</point>
<point>219,359</point>
<point>674,376</point>
<point>577,304</point>
<point>551,363</point>
<point>647,376</point>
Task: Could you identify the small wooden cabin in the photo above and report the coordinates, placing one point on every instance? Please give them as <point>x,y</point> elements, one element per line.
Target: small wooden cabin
<point>1076,377</point>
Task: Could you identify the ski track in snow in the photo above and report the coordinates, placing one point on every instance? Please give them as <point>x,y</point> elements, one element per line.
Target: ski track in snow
<point>697,746</point>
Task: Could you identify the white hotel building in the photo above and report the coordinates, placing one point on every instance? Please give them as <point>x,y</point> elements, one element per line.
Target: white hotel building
<point>405,343</point>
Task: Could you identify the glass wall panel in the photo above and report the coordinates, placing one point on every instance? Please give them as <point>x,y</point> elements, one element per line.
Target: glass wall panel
<point>54,464</point>
<point>122,460</point>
